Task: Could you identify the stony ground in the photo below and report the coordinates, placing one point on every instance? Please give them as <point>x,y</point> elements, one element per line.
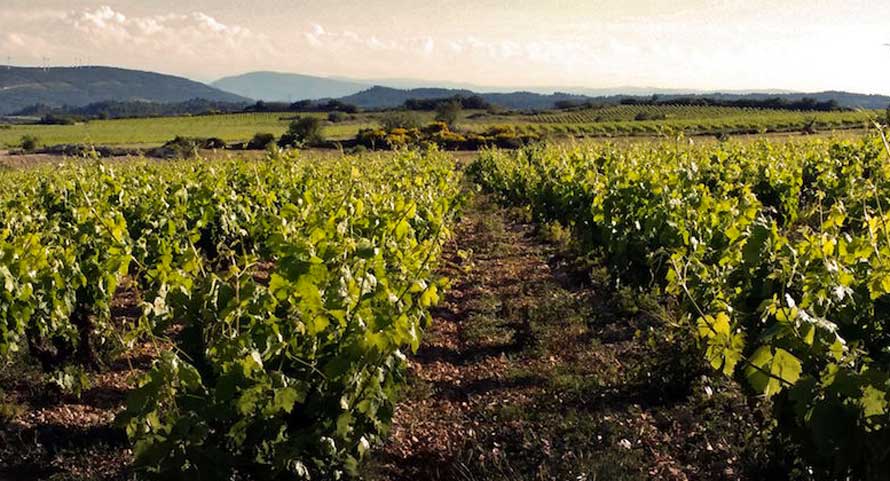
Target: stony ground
<point>534,371</point>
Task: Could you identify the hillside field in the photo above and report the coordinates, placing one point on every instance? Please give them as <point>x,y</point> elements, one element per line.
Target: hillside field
<point>603,122</point>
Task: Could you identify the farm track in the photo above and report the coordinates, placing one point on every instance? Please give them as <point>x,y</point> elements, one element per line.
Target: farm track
<point>530,372</point>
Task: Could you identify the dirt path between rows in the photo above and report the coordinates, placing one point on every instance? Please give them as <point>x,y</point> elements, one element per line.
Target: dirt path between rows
<point>531,371</point>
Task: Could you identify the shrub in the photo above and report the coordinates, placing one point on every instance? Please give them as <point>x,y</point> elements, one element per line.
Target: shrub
<point>304,131</point>
<point>644,115</point>
<point>449,112</point>
<point>371,138</point>
<point>402,137</point>
<point>29,143</point>
<point>52,119</point>
<point>261,141</point>
<point>435,128</point>
<point>213,143</point>
<point>337,117</point>
<point>400,120</point>
<point>179,147</point>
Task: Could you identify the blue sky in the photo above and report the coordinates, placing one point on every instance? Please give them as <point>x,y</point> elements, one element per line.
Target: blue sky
<point>729,44</point>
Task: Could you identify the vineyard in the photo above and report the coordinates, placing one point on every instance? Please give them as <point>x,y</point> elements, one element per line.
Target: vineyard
<point>775,255</point>
<point>282,296</point>
<point>693,120</point>
<point>664,310</point>
<point>621,120</point>
<point>619,113</point>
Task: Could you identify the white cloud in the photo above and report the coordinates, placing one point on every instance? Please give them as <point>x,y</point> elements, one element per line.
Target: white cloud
<point>508,46</point>
<point>15,39</point>
<point>166,42</point>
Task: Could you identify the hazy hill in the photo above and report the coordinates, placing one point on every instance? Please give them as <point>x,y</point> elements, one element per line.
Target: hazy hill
<point>409,84</point>
<point>530,100</point>
<point>285,87</point>
<point>21,87</point>
<point>288,87</point>
<point>385,97</point>
<point>393,92</point>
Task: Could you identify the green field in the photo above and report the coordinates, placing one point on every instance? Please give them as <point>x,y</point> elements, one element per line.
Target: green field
<point>602,122</point>
<point>152,131</point>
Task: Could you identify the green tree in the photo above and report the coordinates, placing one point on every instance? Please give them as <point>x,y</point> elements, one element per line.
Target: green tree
<point>449,112</point>
<point>304,131</point>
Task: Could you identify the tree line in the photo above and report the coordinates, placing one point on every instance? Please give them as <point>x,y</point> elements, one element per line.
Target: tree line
<point>774,103</point>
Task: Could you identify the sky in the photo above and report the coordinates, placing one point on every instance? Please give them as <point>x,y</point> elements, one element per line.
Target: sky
<point>803,45</point>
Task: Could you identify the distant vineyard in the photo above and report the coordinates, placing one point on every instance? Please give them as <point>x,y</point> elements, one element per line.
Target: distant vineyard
<point>649,120</point>
<point>621,120</point>
<point>619,113</point>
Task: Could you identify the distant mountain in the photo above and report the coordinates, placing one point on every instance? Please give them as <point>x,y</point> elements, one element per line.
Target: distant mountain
<point>385,97</point>
<point>286,87</point>
<point>531,100</point>
<point>410,84</point>
<point>392,92</point>
<point>21,87</point>
<point>648,91</point>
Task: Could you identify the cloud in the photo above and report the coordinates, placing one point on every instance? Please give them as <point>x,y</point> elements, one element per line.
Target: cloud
<point>15,39</point>
<point>677,50</point>
<point>164,42</point>
<point>551,52</point>
<point>194,31</point>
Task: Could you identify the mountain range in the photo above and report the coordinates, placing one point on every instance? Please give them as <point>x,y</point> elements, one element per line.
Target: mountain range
<point>287,87</point>
<point>22,87</point>
<point>390,93</point>
<point>385,97</point>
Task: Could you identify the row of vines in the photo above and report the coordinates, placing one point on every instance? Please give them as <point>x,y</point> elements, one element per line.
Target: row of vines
<point>777,258</point>
<point>620,113</point>
<point>282,295</point>
<point>627,120</point>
